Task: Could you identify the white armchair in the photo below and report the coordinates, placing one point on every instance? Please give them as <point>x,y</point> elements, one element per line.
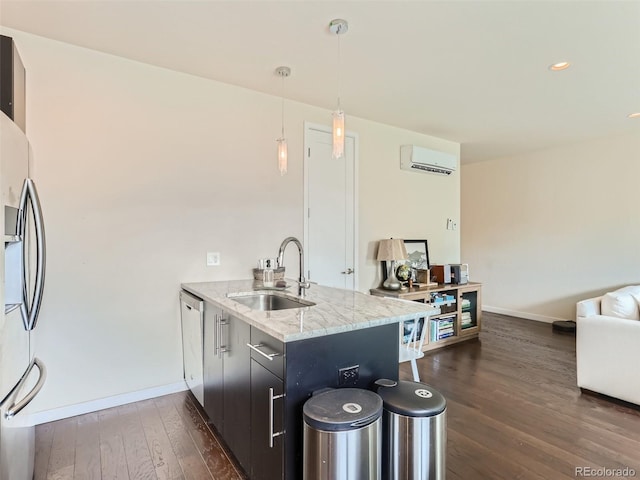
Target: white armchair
<point>608,344</point>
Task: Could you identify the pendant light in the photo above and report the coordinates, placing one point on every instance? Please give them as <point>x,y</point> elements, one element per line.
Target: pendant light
<point>338,27</point>
<point>282,72</point>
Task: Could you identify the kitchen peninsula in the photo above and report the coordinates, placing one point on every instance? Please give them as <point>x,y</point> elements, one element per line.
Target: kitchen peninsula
<point>260,366</point>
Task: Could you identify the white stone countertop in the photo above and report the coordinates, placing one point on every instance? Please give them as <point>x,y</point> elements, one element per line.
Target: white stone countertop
<point>335,310</point>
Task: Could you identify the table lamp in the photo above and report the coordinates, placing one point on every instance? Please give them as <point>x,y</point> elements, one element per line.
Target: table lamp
<point>390,250</point>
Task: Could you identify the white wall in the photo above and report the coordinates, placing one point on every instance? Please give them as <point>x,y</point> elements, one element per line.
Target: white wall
<point>544,230</point>
<point>142,170</point>
<point>401,204</point>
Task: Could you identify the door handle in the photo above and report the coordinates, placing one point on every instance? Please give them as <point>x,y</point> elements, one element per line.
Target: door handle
<point>220,349</point>
<point>16,406</point>
<point>273,434</point>
<point>216,334</point>
<point>31,307</point>
<point>348,271</point>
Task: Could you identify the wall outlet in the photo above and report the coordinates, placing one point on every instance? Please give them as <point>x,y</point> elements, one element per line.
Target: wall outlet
<point>449,224</point>
<point>213,259</point>
<point>348,375</point>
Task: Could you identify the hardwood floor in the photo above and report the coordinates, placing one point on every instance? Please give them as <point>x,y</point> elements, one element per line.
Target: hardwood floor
<point>513,412</point>
<point>165,438</point>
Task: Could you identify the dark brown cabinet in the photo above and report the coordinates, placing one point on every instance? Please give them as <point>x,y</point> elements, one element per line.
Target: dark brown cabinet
<point>267,424</point>
<point>267,406</point>
<point>237,389</point>
<point>213,374</point>
<point>227,380</point>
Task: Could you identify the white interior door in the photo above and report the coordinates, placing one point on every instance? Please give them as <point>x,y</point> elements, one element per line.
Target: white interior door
<point>331,210</point>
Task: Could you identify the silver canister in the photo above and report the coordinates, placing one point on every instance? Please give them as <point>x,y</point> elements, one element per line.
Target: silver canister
<point>342,435</point>
<point>414,431</point>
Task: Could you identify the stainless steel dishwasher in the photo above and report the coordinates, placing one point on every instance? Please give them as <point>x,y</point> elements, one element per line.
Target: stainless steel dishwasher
<point>191,313</point>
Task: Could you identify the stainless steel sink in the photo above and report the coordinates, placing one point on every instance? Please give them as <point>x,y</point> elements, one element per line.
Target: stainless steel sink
<point>267,302</point>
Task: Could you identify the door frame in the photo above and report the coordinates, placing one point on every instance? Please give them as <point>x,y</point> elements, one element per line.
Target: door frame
<point>308,127</point>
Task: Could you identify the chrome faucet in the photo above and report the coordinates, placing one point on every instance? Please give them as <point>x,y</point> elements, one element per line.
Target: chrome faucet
<point>302,283</point>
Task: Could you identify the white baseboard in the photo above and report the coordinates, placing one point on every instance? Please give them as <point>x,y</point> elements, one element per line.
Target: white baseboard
<point>52,415</point>
<point>526,315</point>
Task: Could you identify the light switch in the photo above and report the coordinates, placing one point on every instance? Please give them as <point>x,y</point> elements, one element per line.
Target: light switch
<point>213,259</point>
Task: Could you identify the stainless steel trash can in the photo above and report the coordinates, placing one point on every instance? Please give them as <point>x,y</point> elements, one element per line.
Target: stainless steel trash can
<point>414,425</point>
<point>342,435</point>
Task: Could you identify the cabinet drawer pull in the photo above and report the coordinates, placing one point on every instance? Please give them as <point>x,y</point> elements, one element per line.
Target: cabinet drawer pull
<point>273,434</point>
<point>268,356</point>
<point>216,336</point>
<point>219,323</point>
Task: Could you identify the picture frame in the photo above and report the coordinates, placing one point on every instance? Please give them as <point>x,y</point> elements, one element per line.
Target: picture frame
<point>418,253</point>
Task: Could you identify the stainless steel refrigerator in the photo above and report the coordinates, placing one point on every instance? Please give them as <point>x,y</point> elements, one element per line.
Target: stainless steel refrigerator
<point>22,271</point>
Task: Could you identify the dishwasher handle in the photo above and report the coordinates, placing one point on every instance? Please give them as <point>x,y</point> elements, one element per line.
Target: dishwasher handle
<point>191,302</point>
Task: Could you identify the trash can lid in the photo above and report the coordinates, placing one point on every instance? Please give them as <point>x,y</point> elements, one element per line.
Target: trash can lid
<point>411,399</point>
<point>342,409</point>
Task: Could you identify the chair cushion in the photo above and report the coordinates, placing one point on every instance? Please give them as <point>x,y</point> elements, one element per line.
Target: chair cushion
<point>622,303</point>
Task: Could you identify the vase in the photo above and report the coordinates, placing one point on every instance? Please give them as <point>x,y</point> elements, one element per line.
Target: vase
<point>392,282</point>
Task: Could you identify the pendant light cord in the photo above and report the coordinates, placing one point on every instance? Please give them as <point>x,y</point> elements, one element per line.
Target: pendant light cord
<point>339,65</point>
<point>282,106</point>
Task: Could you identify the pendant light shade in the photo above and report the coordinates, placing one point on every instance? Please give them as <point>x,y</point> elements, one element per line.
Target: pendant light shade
<point>338,27</point>
<point>338,134</point>
<point>283,154</point>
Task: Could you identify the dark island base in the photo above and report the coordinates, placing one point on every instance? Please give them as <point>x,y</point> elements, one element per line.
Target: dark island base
<point>313,364</point>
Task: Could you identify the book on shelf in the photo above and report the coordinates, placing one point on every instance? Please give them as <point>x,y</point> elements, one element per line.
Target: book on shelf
<point>444,335</point>
<point>443,319</point>
<point>442,328</point>
<point>450,318</point>
<point>444,322</point>
<point>440,298</point>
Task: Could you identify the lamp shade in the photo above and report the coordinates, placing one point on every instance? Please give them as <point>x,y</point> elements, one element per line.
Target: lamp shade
<point>391,249</point>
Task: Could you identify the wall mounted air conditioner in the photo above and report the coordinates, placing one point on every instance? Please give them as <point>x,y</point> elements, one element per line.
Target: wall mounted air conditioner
<point>421,159</point>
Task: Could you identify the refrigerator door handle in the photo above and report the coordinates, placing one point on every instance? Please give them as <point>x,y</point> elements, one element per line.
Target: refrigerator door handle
<point>31,307</point>
<point>17,406</point>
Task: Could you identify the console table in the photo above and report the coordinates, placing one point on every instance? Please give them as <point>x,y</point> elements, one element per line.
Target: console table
<point>460,314</point>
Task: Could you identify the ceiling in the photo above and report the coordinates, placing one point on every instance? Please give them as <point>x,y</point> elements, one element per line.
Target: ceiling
<point>475,72</point>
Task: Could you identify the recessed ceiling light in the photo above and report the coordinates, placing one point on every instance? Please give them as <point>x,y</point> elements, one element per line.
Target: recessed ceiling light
<point>556,67</point>
<point>634,115</point>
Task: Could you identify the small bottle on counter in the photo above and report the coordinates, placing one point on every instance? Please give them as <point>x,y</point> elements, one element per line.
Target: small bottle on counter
<point>267,277</point>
